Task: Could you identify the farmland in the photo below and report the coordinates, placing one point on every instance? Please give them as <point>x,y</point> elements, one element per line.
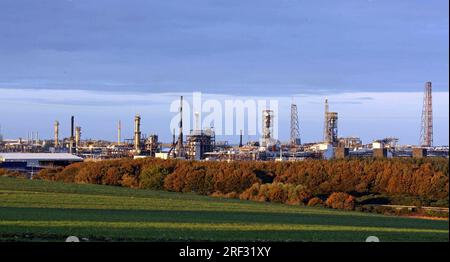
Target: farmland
<point>36,210</point>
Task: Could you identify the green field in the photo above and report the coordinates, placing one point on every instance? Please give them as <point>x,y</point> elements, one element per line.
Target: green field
<point>51,211</point>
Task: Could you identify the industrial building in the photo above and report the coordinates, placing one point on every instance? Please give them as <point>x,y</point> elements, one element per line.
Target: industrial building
<point>201,144</point>
<point>32,162</point>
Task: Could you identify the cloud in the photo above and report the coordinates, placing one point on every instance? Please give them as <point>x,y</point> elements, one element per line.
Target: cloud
<point>365,98</point>
<point>231,47</point>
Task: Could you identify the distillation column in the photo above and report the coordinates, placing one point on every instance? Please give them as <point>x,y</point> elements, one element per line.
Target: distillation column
<point>56,131</point>
<point>77,137</point>
<point>426,134</point>
<point>137,134</point>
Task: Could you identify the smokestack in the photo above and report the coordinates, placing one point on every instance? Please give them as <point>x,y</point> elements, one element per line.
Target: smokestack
<point>240,139</point>
<point>119,129</point>
<point>56,127</point>
<point>137,134</point>
<point>181,120</point>
<point>71,140</point>
<point>72,121</point>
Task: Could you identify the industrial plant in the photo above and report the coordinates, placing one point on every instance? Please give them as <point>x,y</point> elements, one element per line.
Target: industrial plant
<point>200,143</point>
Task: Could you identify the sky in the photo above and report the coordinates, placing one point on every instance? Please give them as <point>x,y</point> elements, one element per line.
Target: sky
<point>106,60</point>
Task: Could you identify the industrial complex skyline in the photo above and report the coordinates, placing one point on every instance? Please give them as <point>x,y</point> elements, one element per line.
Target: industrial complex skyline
<point>98,113</point>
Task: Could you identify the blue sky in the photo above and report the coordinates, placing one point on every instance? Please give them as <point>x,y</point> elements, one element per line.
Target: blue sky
<point>229,47</point>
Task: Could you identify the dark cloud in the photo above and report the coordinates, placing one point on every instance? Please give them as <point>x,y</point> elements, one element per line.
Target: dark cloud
<point>225,46</point>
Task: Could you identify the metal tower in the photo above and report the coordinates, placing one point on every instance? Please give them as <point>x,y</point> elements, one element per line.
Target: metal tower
<point>295,129</point>
<point>177,148</point>
<point>325,123</point>
<point>426,133</point>
<point>180,148</point>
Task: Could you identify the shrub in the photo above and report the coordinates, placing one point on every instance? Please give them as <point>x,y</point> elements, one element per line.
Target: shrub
<point>424,179</point>
<point>250,193</point>
<point>48,173</point>
<point>315,201</point>
<point>153,178</point>
<point>227,195</point>
<point>112,177</point>
<point>69,173</point>
<point>232,195</point>
<point>277,192</point>
<point>130,181</point>
<point>8,173</point>
<point>298,195</point>
<point>341,200</point>
<point>263,193</point>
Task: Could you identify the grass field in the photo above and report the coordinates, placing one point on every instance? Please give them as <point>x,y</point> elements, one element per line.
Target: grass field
<point>51,211</point>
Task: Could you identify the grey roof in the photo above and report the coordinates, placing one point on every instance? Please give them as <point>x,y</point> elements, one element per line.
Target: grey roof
<point>39,156</point>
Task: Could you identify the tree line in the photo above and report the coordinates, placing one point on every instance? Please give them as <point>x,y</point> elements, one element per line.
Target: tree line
<point>332,183</point>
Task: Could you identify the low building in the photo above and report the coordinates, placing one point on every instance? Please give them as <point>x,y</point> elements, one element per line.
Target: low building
<point>162,155</point>
<point>31,162</point>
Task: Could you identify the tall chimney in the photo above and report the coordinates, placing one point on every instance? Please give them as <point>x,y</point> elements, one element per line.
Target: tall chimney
<point>72,121</point>
<point>72,138</point>
<point>240,139</point>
